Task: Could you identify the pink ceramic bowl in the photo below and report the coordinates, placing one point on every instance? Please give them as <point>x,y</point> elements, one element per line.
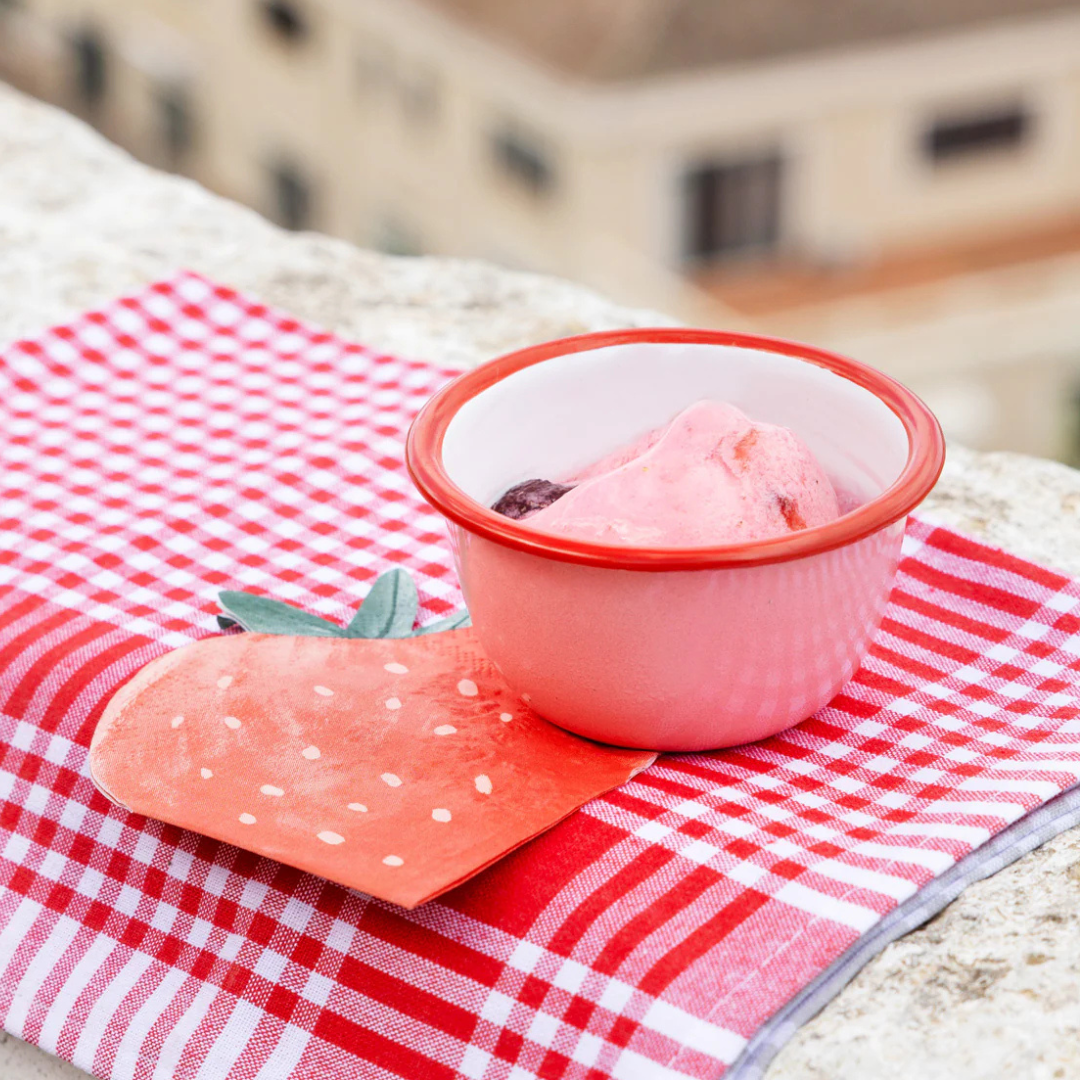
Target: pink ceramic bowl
<point>672,648</point>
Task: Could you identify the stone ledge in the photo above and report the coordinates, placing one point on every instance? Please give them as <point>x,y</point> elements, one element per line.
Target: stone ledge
<point>81,222</point>
<point>992,986</point>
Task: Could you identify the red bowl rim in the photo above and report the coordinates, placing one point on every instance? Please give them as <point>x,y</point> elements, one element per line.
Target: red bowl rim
<point>423,457</point>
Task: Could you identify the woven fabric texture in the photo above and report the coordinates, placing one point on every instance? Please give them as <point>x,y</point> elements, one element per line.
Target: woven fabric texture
<point>188,439</point>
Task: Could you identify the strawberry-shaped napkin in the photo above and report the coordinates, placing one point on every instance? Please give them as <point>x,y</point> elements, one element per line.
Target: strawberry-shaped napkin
<point>392,760</point>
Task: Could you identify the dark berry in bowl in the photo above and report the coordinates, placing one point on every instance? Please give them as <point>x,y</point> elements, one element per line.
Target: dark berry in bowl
<point>528,497</point>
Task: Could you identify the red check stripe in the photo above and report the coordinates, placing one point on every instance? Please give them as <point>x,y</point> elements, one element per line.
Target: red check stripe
<point>189,438</point>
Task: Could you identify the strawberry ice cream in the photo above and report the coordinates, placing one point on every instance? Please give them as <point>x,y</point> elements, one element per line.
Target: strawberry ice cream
<point>711,476</point>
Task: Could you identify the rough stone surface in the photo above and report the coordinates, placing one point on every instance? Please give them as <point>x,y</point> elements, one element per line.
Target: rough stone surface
<point>81,222</point>
<point>991,988</point>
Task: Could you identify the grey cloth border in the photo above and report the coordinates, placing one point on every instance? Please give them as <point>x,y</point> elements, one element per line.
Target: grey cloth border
<point>1025,834</point>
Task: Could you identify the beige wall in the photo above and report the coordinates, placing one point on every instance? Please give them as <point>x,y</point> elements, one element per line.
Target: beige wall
<point>848,125</point>
<point>348,104</point>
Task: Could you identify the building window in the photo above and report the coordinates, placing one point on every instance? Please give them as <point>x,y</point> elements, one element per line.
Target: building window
<point>374,67</point>
<point>420,96</point>
<point>1070,439</point>
<point>286,19</point>
<point>394,237</point>
<point>954,138</point>
<point>732,208</point>
<point>292,196</point>
<point>177,126</point>
<point>523,161</point>
<point>90,67</point>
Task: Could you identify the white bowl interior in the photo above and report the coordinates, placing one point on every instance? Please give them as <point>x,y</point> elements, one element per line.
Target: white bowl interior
<point>553,418</point>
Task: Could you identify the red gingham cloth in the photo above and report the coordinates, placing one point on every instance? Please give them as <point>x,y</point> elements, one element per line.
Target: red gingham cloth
<point>189,439</point>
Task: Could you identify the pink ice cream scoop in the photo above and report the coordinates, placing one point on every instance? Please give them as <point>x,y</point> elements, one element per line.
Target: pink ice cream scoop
<point>712,476</point>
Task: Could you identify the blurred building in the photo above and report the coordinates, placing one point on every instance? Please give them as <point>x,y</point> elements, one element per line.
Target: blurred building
<point>898,179</point>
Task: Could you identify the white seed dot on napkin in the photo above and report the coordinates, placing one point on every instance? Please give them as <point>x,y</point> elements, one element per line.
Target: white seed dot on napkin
<point>440,815</point>
<point>205,774</point>
<point>247,819</point>
<point>396,669</point>
<point>506,717</point>
<point>231,722</point>
<point>176,721</point>
<point>393,703</point>
<point>446,729</point>
<point>483,784</point>
<point>358,807</point>
<point>312,753</point>
<point>391,779</point>
<point>269,789</point>
<point>467,688</point>
<point>328,837</point>
<point>393,860</point>
<point>225,682</point>
<point>324,691</point>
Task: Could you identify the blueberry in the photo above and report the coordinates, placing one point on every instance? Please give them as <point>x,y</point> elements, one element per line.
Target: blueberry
<point>528,497</point>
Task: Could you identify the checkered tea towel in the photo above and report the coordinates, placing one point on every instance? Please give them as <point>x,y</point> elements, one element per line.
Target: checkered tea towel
<point>188,439</point>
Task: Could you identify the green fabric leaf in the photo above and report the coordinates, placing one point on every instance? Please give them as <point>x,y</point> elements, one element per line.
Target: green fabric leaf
<point>459,620</point>
<point>389,609</point>
<point>261,615</point>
